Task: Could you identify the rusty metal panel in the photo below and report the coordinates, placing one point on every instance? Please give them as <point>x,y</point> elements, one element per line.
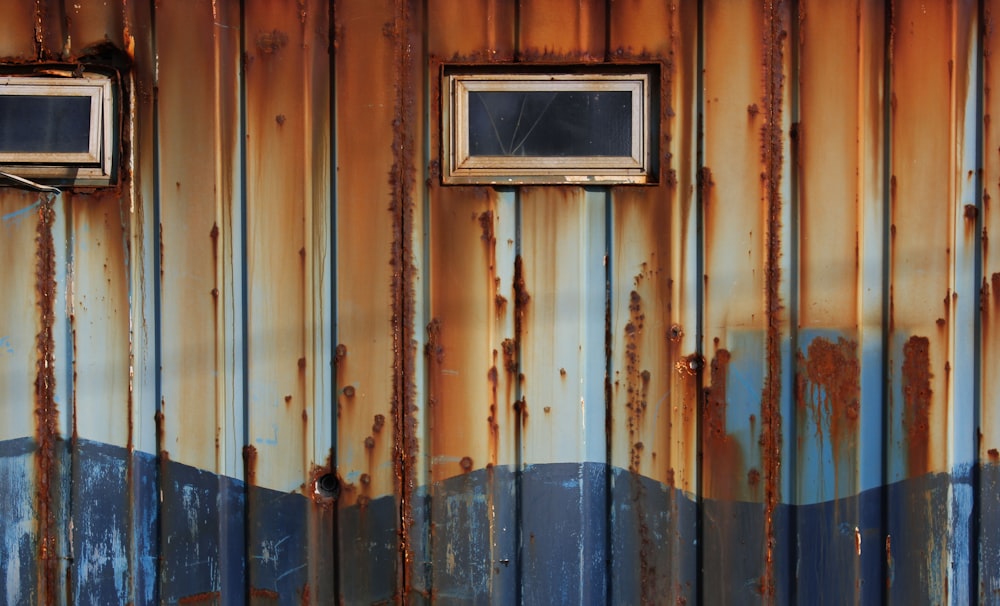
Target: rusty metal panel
<point>472,349</point>
<point>734,206</point>
<point>19,221</point>
<point>200,413</point>
<point>765,377</point>
<point>653,335</point>
<point>201,407</point>
<point>930,55</point>
<point>365,79</point>
<point>287,175</point>
<point>562,30</point>
<point>99,309</point>
<point>17,31</point>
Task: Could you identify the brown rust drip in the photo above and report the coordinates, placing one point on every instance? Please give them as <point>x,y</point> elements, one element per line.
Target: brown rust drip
<point>494,427</point>
<point>917,404</point>
<point>829,388</point>
<point>773,156</point>
<point>636,380</point>
<point>46,413</point>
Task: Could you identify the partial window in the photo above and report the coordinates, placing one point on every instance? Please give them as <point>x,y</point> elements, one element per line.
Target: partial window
<point>547,127</point>
<point>57,129</point>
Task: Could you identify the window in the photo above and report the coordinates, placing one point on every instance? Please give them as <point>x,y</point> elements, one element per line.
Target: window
<point>547,127</point>
<point>57,129</point>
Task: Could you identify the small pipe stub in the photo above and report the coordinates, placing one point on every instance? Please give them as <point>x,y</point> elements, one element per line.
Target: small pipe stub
<point>327,486</point>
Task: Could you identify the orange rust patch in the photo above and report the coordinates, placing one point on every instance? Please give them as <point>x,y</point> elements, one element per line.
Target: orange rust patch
<point>917,403</point>
<point>830,390</point>
<point>200,598</point>
<point>722,455</point>
<point>264,593</point>
<point>994,455</point>
<point>250,463</point>
<point>271,42</point>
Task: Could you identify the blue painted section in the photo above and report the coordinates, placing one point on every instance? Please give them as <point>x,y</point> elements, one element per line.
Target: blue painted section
<point>583,537</point>
<point>286,537</point>
<point>564,526</point>
<point>654,542</point>
<point>829,567</point>
<point>475,540</point>
<point>368,551</point>
<point>745,383</point>
<point>988,512</point>
<point>114,541</point>
<point>202,534</point>
<point>18,538</point>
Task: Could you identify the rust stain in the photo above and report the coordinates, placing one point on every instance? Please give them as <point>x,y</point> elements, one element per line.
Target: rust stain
<point>268,594</point>
<point>405,141</point>
<point>250,464</point>
<point>829,389</point>
<point>269,43</point>
<point>772,157</point>
<point>491,420</point>
<point>509,347</point>
<point>201,598</point>
<point>562,30</point>
<point>917,404</point>
<point>722,455</point>
<point>636,380</point>
<point>994,455</point>
<point>46,412</point>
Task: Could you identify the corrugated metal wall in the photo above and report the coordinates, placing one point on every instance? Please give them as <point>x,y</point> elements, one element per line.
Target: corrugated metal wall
<point>770,377</point>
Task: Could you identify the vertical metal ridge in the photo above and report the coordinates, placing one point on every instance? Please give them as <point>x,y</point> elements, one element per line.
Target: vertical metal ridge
<point>608,416</point>
<point>975,530</point>
<point>335,310</point>
<point>771,422</point>
<point>157,305</point>
<point>795,268</point>
<point>403,296</point>
<point>518,395</point>
<point>244,298</point>
<point>886,251</point>
<point>699,340</point>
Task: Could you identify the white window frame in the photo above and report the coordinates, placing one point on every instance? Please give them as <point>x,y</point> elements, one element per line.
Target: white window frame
<point>92,167</point>
<point>463,168</point>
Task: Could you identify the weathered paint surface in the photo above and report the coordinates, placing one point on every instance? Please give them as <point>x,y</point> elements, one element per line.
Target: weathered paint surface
<point>279,362</point>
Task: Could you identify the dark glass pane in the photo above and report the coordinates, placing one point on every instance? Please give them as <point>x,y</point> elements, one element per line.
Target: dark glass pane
<point>550,123</point>
<point>32,124</point>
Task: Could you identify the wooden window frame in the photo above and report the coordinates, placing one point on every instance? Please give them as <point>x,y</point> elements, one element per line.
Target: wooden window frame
<point>462,168</point>
<point>93,167</point>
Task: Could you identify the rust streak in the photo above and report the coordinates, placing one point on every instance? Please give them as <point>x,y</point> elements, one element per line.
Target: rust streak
<point>917,403</point>
<point>47,415</point>
<point>264,593</point>
<point>201,598</point>
<point>722,455</point>
<point>401,182</point>
<point>250,464</point>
